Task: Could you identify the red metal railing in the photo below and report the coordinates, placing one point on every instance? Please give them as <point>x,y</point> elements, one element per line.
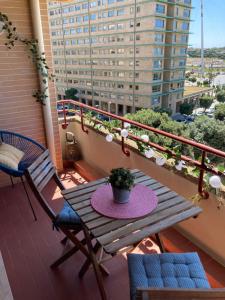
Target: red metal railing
<point>203,148</point>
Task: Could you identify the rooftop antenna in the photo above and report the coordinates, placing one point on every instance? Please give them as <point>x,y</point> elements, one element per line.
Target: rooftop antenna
<point>202,42</point>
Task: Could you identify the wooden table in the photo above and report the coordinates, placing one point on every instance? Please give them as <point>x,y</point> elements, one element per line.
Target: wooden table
<point>112,235</point>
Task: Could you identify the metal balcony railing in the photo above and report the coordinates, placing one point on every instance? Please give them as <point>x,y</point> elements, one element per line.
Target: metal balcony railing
<point>204,149</point>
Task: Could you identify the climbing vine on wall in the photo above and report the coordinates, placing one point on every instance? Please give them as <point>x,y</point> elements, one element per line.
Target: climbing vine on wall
<point>38,59</point>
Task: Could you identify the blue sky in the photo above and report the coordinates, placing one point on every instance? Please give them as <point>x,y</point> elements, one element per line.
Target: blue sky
<point>214,24</point>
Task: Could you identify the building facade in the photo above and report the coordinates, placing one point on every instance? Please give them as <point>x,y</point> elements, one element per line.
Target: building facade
<point>121,55</point>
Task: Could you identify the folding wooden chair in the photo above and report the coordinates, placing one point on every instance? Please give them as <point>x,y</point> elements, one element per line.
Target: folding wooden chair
<point>171,276</point>
<point>38,174</point>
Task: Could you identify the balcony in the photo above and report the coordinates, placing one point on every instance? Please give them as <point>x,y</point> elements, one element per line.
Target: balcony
<point>27,248</point>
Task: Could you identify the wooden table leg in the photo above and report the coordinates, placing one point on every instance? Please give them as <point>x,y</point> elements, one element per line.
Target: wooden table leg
<point>95,264</point>
<point>160,243</point>
<point>87,263</point>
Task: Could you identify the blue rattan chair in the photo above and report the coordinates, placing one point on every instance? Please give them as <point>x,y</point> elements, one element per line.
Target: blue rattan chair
<point>31,150</point>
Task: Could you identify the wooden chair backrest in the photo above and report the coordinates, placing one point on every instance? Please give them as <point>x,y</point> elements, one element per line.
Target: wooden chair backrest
<point>180,294</point>
<point>38,176</point>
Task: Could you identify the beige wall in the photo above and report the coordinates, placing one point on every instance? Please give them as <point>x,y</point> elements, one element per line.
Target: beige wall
<point>19,112</point>
<point>207,230</point>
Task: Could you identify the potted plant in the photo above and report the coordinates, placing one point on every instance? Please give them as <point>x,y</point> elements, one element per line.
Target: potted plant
<point>121,181</point>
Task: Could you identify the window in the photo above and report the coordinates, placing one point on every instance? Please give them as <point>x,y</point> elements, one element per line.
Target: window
<point>186,13</point>
<point>93,28</point>
<point>158,51</point>
<point>93,17</point>
<point>184,38</point>
<point>120,74</point>
<point>71,8</point>
<point>120,51</point>
<point>120,63</point>
<point>157,76</point>
<point>181,62</point>
<point>155,100</point>
<point>138,37</point>
<point>111,13</point>
<point>120,12</point>
<point>187,1</point>
<point>79,19</point>
<point>159,23</point>
<point>174,24</point>
<point>85,6</point>
<point>157,64</point>
<point>65,10</point>
<point>111,1</point>
<point>185,26</point>
<point>71,20</point>
<point>93,4</point>
<point>85,18</point>
<point>120,26</point>
<point>160,8</point>
<point>112,26</point>
<point>183,51</point>
<point>138,9</point>
<point>159,37</point>
<point>156,88</point>
<point>86,29</point>
<point>104,14</point>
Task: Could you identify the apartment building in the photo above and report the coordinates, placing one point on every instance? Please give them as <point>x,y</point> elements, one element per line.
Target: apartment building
<point>121,55</point>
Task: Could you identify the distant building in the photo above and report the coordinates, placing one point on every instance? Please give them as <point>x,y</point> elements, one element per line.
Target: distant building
<point>192,95</point>
<point>121,55</point>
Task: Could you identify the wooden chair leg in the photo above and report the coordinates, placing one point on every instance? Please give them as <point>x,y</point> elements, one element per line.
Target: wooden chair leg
<point>160,243</point>
<point>12,183</point>
<point>87,263</point>
<point>65,239</point>
<point>76,242</point>
<point>28,198</point>
<point>67,255</point>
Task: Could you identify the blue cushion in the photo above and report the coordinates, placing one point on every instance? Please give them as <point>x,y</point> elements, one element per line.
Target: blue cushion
<point>67,216</point>
<point>171,270</point>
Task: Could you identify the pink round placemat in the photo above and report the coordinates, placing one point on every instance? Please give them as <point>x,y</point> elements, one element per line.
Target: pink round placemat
<point>141,202</point>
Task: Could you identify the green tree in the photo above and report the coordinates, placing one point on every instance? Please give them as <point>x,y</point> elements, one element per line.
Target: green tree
<point>71,94</point>
<point>193,79</point>
<point>205,102</point>
<point>186,108</point>
<point>161,110</point>
<point>220,96</point>
<point>206,82</point>
<point>220,112</point>
<point>148,117</point>
<point>208,131</point>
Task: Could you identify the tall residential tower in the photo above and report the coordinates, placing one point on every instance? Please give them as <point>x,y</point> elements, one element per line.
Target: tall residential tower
<point>121,55</point>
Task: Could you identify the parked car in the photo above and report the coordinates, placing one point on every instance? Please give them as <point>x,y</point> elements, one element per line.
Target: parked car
<point>103,117</point>
<point>182,118</point>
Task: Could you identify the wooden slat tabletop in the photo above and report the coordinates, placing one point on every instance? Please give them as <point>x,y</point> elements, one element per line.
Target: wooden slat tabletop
<point>116,234</point>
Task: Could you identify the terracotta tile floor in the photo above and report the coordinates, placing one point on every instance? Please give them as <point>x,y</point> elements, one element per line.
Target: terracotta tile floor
<point>29,247</point>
